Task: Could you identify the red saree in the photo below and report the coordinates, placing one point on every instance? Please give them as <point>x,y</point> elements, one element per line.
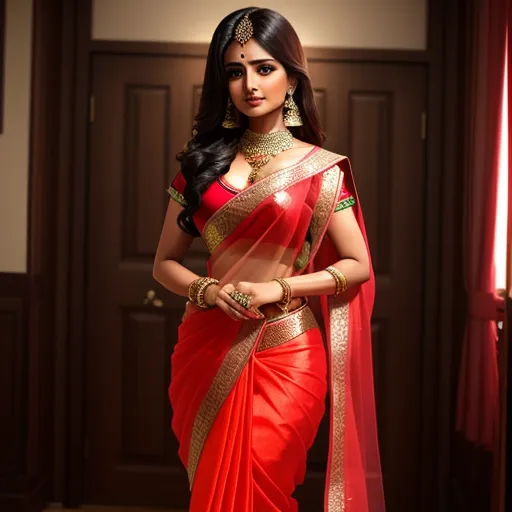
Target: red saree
<point>248,397</point>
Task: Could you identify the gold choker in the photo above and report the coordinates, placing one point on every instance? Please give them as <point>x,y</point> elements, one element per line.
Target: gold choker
<point>259,148</point>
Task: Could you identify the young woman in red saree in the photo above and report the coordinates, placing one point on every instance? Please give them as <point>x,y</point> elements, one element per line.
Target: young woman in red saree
<point>284,313</point>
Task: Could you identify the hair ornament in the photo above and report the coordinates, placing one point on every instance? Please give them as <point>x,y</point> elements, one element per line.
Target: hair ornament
<point>244,30</point>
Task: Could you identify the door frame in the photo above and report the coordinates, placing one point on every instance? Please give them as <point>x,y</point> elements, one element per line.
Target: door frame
<point>443,288</point>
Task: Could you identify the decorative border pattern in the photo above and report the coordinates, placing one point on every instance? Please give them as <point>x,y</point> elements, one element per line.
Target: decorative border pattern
<point>338,317</point>
<point>285,329</point>
<point>225,220</point>
<point>177,196</point>
<point>222,384</point>
<point>329,191</point>
<point>345,203</point>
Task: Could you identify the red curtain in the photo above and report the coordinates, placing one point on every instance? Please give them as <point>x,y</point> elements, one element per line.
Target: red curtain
<point>477,410</point>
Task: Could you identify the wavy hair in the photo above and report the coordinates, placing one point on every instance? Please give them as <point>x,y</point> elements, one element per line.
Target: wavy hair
<point>212,148</point>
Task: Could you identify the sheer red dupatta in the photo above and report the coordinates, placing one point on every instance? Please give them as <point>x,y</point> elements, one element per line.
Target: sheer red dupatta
<point>354,477</point>
<point>258,235</point>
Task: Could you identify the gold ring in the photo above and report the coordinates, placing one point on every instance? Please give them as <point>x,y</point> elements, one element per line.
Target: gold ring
<point>241,298</point>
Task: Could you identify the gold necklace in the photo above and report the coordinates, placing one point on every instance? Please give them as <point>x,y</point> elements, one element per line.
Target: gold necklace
<point>259,148</point>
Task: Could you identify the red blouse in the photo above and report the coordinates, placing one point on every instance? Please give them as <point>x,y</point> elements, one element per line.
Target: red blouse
<point>220,192</point>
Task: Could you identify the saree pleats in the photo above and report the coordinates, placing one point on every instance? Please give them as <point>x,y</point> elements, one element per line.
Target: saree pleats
<point>288,405</point>
<point>198,343</point>
<point>267,423</point>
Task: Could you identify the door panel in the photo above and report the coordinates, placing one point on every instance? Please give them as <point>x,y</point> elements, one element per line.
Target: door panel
<point>144,108</point>
<point>143,112</point>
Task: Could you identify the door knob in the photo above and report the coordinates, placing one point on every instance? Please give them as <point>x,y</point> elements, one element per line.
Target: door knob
<point>152,299</point>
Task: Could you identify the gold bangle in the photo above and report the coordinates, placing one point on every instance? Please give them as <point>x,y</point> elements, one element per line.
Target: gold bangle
<point>284,303</point>
<point>339,277</point>
<point>197,289</point>
<point>192,289</point>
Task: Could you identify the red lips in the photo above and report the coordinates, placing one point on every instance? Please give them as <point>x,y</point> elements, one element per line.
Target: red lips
<point>254,101</point>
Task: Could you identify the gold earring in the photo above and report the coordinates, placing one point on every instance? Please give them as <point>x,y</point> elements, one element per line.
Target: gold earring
<point>231,119</point>
<point>292,115</point>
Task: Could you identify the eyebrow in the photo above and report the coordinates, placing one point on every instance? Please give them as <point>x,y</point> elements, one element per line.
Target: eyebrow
<point>251,62</point>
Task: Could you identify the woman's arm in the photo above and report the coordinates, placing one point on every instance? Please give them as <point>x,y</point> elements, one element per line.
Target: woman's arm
<point>172,248</point>
<point>167,268</point>
<point>344,232</point>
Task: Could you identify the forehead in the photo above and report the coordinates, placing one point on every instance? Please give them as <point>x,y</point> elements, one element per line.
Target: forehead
<point>251,50</point>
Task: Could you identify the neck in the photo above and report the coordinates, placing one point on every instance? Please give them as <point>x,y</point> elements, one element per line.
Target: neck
<point>271,122</point>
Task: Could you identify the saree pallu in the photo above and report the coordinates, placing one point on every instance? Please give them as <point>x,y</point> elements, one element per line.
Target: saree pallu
<point>248,397</point>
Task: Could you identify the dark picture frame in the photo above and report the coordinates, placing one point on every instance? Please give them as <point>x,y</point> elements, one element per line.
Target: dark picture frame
<point>2,62</point>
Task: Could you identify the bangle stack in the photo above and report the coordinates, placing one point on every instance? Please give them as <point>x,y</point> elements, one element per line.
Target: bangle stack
<point>197,289</point>
<point>284,303</point>
<point>341,280</point>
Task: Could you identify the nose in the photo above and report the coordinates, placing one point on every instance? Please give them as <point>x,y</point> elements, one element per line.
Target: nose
<point>251,81</point>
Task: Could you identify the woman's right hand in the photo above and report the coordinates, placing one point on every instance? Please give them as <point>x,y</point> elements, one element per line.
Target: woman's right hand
<point>212,297</point>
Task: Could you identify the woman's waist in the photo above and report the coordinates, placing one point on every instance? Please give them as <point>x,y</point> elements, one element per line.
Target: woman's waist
<point>273,311</point>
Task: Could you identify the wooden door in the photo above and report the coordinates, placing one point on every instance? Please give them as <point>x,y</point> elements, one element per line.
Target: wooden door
<point>143,111</point>
<point>144,107</point>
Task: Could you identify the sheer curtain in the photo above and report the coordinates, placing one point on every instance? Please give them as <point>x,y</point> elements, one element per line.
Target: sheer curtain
<point>477,408</point>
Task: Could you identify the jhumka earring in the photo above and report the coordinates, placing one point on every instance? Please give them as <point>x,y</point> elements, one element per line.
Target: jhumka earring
<point>291,111</point>
<point>231,119</point>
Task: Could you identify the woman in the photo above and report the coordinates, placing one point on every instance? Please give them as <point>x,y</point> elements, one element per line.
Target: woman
<point>282,223</point>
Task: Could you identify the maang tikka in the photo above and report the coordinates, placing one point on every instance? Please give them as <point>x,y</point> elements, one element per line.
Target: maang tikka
<point>244,30</point>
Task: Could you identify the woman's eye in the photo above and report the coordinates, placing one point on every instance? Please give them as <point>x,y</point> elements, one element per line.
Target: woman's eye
<point>234,73</point>
<point>266,70</point>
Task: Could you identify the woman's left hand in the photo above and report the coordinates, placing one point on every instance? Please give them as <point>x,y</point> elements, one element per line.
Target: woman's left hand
<point>259,293</point>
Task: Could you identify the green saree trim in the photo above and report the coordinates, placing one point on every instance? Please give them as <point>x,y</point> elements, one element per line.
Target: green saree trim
<point>179,198</point>
<point>345,203</point>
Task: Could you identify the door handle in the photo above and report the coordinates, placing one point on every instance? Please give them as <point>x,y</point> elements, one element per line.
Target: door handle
<point>152,299</point>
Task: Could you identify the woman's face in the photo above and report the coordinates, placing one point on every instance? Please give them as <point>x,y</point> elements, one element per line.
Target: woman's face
<point>257,82</point>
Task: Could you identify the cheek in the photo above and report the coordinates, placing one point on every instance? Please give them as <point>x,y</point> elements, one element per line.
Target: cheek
<point>276,86</point>
<point>237,93</point>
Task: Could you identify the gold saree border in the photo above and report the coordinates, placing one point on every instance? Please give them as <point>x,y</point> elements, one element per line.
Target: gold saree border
<point>339,318</point>
<point>225,220</point>
<point>325,205</point>
<point>285,329</point>
<point>223,382</point>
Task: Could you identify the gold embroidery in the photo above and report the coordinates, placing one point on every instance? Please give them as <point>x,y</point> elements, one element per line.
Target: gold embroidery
<point>303,257</point>
<point>338,313</point>
<point>177,196</point>
<point>225,220</point>
<point>329,191</point>
<point>285,329</point>
<point>222,384</point>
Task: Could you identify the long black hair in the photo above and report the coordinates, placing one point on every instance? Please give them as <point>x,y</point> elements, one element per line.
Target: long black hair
<point>213,148</point>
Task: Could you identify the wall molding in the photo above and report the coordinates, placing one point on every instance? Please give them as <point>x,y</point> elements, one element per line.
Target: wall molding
<point>315,54</point>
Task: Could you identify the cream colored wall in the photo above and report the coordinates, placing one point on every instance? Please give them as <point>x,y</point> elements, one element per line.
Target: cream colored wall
<point>14,141</point>
<point>390,24</point>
